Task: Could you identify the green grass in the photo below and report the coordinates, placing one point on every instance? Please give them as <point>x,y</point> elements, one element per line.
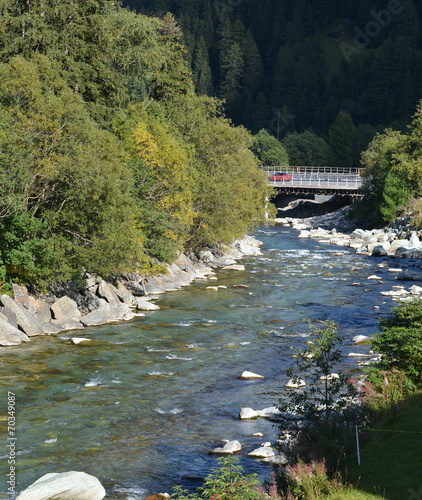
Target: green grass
<point>391,458</point>
<point>352,494</point>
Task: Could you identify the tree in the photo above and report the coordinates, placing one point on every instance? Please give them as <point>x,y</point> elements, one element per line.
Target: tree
<point>393,172</point>
<point>326,405</point>
<point>229,191</point>
<point>307,149</point>
<point>269,150</point>
<point>342,134</point>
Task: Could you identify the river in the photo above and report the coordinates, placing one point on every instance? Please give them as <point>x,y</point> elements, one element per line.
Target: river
<point>143,405</point>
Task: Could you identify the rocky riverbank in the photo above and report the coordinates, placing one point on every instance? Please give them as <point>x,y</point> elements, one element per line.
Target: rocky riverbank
<point>25,316</point>
<point>398,244</point>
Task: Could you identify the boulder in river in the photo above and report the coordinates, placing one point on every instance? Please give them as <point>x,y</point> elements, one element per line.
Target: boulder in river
<point>64,486</point>
<point>247,413</point>
<point>295,383</point>
<point>262,452</point>
<point>228,449</point>
<point>249,375</point>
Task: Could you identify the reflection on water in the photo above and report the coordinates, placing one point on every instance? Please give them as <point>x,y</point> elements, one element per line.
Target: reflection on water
<point>142,407</point>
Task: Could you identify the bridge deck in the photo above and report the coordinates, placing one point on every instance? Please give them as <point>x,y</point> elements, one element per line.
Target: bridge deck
<point>317,180</point>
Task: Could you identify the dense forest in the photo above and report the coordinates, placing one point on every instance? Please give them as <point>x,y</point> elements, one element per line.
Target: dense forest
<point>109,161</point>
<point>306,66</point>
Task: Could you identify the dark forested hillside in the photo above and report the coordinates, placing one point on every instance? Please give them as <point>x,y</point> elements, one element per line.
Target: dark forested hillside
<point>290,66</point>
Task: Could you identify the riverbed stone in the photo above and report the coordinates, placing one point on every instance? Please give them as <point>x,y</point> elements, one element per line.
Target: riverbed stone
<point>295,383</point>
<point>362,339</point>
<point>144,305</point>
<point>379,251</point>
<point>65,309</point>
<point>9,334</point>
<point>40,309</point>
<point>25,320</point>
<point>249,375</point>
<point>405,244</point>
<point>20,294</point>
<point>9,316</point>
<point>71,485</point>
<point>228,449</point>
<point>124,293</point>
<point>247,413</point>
<point>415,290</point>
<point>234,267</point>
<point>67,324</point>
<point>262,452</point>
<point>268,412</point>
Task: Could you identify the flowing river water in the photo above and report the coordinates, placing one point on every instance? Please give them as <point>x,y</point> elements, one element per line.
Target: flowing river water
<point>143,405</point>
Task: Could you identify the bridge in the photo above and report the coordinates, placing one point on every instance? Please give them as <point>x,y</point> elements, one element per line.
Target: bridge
<point>316,180</point>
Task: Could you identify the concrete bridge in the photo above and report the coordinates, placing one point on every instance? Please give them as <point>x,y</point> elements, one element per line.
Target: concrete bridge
<point>316,180</point>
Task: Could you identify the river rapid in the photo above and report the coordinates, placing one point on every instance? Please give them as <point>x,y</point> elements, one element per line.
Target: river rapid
<point>143,405</point>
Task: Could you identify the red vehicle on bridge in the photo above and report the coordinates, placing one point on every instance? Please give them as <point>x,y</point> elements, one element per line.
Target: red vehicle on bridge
<point>280,177</point>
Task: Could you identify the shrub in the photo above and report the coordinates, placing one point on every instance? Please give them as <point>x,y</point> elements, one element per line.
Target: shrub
<point>400,341</point>
<point>309,481</point>
<point>228,482</point>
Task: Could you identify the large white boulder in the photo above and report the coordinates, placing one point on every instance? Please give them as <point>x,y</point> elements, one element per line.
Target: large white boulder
<point>228,449</point>
<point>64,486</point>
<point>262,452</point>
<point>247,413</point>
<point>295,383</point>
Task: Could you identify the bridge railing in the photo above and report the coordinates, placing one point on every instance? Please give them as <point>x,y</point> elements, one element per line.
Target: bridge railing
<point>308,169</point>
<point>346,181</point>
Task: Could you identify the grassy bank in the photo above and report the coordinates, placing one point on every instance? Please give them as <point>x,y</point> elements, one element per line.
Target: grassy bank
<point>391,457</point>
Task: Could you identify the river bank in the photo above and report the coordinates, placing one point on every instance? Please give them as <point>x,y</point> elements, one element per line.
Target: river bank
<point>100,302</point>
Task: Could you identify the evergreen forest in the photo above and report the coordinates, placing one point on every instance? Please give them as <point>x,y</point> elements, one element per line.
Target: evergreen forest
<point>315,67</point>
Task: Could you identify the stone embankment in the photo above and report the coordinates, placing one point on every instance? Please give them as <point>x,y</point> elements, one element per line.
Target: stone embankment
<point>25,316</point>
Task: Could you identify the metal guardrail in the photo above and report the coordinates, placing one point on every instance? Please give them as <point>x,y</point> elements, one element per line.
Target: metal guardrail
<point>309,169</point>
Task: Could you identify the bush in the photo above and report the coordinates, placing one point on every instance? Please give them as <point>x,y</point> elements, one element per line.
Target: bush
<point>308,481</point>
<point>400,341</point>
<point>228,482</point>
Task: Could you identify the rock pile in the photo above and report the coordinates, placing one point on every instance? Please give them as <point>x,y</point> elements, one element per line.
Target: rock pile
<point>390,241</point>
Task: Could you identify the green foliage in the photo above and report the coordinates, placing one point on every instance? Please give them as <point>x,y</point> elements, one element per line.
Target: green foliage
<point>383,392</point>
<point>392,174</point>
<point>325,397</point>
<point>400,340</point>
<point>228,482</point>
<point>307,149</point>
<point>269,150</point>
<point>326,405</point>
<point>229,191</point>
<point>342,135</point>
